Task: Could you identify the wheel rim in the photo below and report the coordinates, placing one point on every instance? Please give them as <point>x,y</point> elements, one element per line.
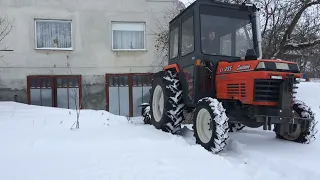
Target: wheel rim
<point>157,103</point>
<point>296,133</point>
<point>204,130</point>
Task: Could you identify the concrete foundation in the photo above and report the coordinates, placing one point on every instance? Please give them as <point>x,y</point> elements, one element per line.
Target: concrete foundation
<point>94,96</point>
<point>7,94</point>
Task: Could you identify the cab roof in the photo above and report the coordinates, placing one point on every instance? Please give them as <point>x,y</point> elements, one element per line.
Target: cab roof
<point>213,3</point>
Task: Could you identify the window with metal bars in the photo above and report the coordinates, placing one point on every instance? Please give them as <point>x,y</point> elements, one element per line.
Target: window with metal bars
<point>126,92</point>
<point>55,91</point>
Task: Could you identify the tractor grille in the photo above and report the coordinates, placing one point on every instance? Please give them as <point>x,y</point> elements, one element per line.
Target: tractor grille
<point>267,90</point>
<point>237,90</point>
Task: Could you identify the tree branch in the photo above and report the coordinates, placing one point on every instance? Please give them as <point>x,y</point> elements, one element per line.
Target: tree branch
<point>5,27</point>
<point>268,16</point>
<point>301,46</point>
<point>293,23</point>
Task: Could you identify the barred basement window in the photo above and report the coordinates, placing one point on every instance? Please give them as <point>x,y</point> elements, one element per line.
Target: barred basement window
<point>55,91</point>
<point>118,95</point>
<point>41,91</point>
<point>53,34</point>
<point>68,92</point>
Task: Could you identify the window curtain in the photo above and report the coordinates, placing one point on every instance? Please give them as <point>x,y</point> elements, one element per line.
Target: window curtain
<point>128,39</point>
<point>53,34</point>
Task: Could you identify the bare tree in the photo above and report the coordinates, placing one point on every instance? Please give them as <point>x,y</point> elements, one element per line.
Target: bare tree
<point>281,23</point>
<point>291,32</point>
<point>78,106</point>
<point>285,43</point>
<point>5,28</point>
<point>75,96</point>
<point>161,32</point>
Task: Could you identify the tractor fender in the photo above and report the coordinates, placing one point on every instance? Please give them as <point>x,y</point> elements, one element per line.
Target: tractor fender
<point>185,79</point>
<point>174,67</point>
<point>186,82</point>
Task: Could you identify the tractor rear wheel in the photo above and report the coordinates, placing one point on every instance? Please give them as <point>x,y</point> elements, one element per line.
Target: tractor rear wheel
<point>300,134</point>
<point>210,124</point>
<point>166,107</point>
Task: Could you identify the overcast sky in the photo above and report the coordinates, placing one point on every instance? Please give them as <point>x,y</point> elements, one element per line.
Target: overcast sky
<point>187,2</point>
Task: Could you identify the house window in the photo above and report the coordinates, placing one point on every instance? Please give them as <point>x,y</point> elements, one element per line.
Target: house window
<point>55,91</point>
<point>53,34</point>
<point>128,36</point>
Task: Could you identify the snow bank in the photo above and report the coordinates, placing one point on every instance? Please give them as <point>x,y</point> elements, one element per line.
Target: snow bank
<point>37,144</point>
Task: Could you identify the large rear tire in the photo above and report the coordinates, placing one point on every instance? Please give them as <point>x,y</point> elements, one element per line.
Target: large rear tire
<point>301,134</point>
<point>166,107</point>
<point>210,124</point>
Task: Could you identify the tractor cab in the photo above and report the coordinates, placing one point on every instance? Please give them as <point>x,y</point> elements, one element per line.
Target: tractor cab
<point>214,31</point>
<point>208,32</point>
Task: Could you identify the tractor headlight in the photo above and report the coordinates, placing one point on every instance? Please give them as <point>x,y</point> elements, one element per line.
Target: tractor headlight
<point>273,66</point>
<point>282,66</point>
<point>261,65</point>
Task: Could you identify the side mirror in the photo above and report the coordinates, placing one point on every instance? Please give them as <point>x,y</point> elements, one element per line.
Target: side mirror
<point>251,55</point>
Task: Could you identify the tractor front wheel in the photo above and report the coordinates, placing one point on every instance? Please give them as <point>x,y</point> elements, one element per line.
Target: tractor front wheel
<point>210,125</point>
<point>300,133</point>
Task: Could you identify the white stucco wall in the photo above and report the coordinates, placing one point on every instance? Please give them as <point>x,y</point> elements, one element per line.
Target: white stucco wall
<point>91,23</point>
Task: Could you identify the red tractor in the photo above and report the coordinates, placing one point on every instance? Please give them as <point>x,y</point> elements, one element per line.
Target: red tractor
<point>216,75</point>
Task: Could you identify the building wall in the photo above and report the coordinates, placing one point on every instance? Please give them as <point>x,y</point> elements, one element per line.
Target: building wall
<point>92,55</point>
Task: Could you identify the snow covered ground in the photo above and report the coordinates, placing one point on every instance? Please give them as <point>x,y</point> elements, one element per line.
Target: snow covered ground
<point>36,143</point>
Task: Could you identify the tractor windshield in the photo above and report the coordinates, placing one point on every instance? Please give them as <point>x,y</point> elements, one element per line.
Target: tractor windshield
<point>225,32</point>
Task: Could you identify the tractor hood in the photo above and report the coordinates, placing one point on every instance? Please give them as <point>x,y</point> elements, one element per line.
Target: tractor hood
<point>258,65</point>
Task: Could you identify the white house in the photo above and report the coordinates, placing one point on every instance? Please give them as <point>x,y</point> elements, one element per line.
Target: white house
<point>98,52</point>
